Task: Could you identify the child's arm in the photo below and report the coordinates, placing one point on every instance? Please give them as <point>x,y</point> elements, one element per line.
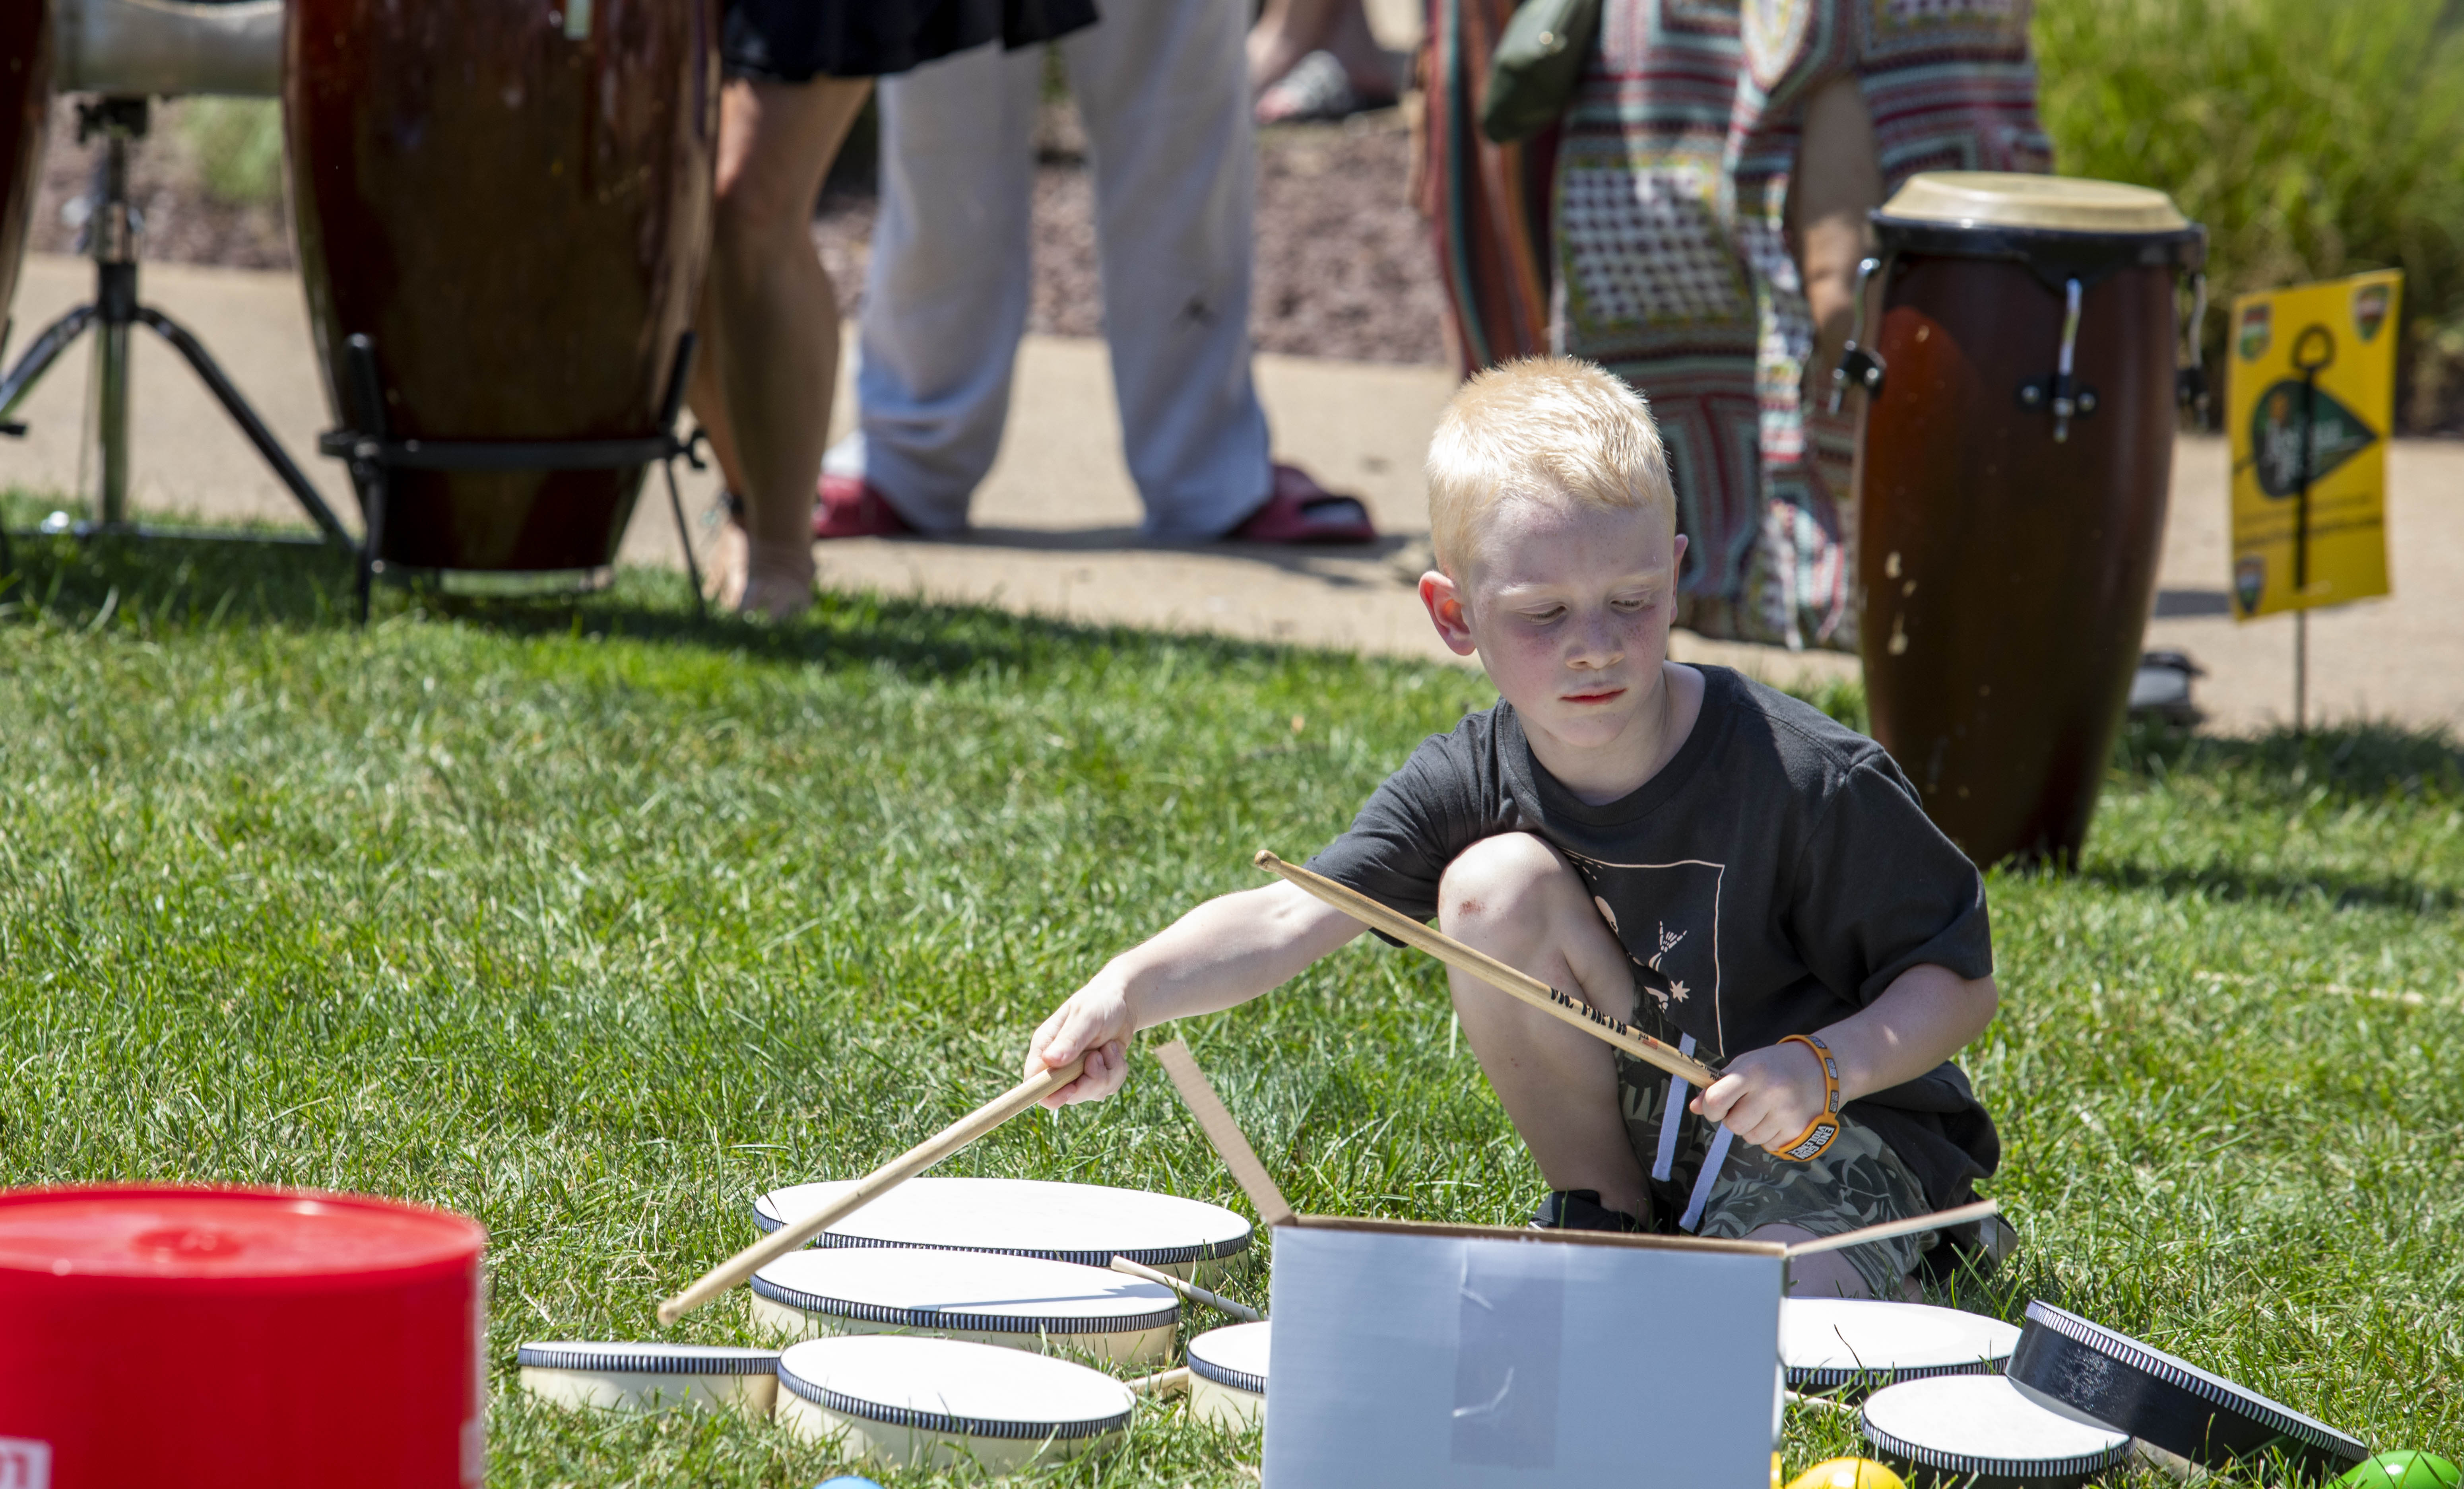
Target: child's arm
<point>1926,1015</point>
<point>1225,951</point>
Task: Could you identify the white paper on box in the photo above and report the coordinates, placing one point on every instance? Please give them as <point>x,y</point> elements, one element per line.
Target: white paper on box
<point>1440,1357</point>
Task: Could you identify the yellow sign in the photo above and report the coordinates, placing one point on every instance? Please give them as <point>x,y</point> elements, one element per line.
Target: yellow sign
<point>2309,407</point>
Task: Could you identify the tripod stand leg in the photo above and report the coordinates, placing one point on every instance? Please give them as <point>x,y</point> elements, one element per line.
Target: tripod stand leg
<point>227,394</point>
<point>40,356</point>
<point>684,540</point>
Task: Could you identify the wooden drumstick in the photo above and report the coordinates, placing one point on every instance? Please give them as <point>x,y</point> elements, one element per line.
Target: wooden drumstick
<point>1939,1221</point>
<point>1189,1290</point>
<point>1506,979</point>
<point>874,1184</point>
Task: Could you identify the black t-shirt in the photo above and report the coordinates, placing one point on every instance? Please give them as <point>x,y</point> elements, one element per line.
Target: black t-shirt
<point>1775,877</point>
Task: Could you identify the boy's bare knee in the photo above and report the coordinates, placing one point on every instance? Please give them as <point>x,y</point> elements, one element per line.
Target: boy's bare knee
<point>1499,880</point>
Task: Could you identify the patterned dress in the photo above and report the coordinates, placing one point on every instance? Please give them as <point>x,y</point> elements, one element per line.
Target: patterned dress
<point>1673,266</point>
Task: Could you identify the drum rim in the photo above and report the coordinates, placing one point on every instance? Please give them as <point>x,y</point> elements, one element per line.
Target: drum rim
<point>973,1323</point>
<point>1222,1374</point>
<point>2075,1466</point>
<point>2183,234</point>
<point>2213,1390</point>
<point>768,1222</point>
<point>1994,240</point>
<point>632,1358</point>
<point>943,1422</point>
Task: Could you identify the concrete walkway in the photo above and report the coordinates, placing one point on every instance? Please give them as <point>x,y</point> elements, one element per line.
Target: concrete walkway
<point>1058,518</point>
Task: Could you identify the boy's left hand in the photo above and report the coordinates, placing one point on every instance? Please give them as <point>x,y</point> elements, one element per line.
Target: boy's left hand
<point>1767,1096</point>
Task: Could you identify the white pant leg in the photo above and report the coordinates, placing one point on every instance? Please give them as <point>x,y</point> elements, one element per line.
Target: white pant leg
<point>1163,88</point>
<point>946,295</point>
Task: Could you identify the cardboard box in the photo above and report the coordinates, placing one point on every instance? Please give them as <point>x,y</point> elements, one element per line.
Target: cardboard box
<point>1443,1355</point>
<point>1479,1357</point>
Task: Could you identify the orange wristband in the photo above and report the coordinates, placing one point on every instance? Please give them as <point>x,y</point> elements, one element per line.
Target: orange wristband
<point>1816,1138</point>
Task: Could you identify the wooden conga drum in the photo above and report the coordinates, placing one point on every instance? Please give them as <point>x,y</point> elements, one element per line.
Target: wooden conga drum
<point>2011,478</point>
<point>511,204</point>
<point>25,109</point>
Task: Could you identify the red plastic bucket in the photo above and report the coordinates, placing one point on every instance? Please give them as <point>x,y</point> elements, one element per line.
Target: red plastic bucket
<point>243,1337</point>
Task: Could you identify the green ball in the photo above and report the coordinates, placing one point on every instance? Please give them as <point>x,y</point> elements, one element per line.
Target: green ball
<point>2402,1470</point>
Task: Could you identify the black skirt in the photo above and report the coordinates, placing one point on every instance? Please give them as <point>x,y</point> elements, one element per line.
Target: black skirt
<point>795,41</point>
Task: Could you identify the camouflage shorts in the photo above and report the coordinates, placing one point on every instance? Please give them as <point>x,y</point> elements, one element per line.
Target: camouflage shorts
<point>1859,1181</point>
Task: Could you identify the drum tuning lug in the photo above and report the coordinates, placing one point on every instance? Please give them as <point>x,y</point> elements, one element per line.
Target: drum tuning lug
<point>2044,392</point>
<point>1858,368</point>
<point>2190,387</point>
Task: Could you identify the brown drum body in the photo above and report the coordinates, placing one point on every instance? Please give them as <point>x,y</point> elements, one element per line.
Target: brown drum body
<point>2007,577</point>
<point>518,218</point>
<point>25,111</point>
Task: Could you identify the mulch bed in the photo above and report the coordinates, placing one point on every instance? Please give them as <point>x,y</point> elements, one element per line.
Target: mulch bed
<point>1344,264</point>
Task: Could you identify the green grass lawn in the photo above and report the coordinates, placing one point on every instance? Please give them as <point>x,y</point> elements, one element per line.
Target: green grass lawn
<point>593,921</point>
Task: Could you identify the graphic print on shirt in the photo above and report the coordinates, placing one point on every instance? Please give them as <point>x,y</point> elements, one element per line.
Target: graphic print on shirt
<point>1667,918</point>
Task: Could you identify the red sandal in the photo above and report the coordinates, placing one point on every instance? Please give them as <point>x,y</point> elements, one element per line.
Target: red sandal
<point>849,507</point>
<point>1300,510</point>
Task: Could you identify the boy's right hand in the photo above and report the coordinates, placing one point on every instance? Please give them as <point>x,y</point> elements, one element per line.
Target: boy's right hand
<point>1096,1020</point>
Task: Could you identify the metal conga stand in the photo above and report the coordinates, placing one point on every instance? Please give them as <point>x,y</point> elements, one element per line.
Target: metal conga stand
<point>113,232</point>
<point>372,455</point>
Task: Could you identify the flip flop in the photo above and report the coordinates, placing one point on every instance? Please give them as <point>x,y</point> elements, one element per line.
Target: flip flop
<point>1300,510</point>
<point>1317,90</point>
<point>849,507</point>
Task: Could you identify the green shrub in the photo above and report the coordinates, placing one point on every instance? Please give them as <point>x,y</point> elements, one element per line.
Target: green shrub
<point>238,145</point>
<point>2313,139</point>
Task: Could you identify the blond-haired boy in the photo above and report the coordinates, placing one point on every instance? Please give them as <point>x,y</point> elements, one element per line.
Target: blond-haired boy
<point>1694,853</point>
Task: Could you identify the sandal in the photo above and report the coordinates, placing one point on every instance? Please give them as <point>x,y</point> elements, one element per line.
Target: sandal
<point>849,507</point>
<point>1317,90</point>
<point>1300,510</point>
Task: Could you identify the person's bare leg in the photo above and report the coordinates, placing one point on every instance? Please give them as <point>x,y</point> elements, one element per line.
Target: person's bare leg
<point>1356,46</point>
<point>1515,899</point>
<point>770,323</point>
<point>1838,179</point>
<point>1824,1274</point>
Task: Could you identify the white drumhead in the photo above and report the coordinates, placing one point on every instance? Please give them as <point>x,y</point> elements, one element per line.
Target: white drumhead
<point>952,1386</point>
<point>1831,1341</point>
<point>1233,1356</point>
<point>634,1357</point>
<point>2002,199</point>
<point>1981,1425</point>
<point>976,1291</point>
<point>1086,1223</point>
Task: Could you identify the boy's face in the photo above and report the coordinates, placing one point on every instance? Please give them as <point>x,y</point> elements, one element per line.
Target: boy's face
<point>1568,606</point>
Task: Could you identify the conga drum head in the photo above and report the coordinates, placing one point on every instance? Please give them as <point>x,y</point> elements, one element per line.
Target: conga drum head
<point>1831,1342</point>
<point>1227,1375</point>
<point>1086,1223</point>
<point>630,1376</point>
<point>2096,1374</point>
<point>1025,1302</point>
<point>1979,1432</point>
<point>941,1403</point>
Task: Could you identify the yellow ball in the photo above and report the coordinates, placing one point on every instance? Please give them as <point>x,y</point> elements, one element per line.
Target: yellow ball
<point>1847,1473</point>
